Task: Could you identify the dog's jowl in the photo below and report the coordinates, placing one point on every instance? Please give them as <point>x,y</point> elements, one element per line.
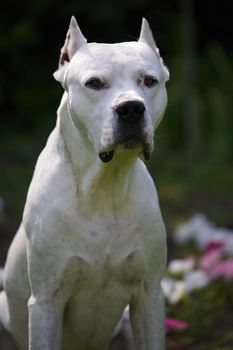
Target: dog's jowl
<point>92,239</point>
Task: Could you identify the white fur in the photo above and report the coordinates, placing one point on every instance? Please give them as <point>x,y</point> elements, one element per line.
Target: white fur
<point>92,239</point>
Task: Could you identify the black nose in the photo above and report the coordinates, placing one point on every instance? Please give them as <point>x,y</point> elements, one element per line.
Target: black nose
<point>130,111</point>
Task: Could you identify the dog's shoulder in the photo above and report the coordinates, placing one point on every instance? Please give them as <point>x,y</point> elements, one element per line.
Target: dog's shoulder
<point>53,185</point>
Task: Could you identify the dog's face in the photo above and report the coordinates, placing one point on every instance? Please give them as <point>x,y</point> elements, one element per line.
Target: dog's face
<point>115,91</point>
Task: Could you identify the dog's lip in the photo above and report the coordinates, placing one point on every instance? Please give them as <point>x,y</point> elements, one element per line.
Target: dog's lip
<point>131,142</point>
<point>144,152</point>
<point>106,156</point>
<point>134,142</point>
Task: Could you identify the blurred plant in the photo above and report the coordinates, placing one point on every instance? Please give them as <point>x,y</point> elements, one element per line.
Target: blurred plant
<point>171,324</point>
<point>201,281</point>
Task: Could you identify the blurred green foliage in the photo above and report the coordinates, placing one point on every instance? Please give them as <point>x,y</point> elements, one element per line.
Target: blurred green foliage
<point>206,310</point>
<point>207,313</point>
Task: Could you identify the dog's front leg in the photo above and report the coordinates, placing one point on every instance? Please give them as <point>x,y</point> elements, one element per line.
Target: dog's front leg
<point>46,304</point>
<point>45,325</point>
<point>147,318</point>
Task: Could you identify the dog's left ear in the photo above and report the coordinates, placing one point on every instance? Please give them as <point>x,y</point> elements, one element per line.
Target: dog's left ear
<point>146,36</point>
<point>74,40</point>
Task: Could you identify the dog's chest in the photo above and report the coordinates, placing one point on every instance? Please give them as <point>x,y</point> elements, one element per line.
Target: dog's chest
<point>104,284</point>
<point>101,266</point>
<point>101,254</point>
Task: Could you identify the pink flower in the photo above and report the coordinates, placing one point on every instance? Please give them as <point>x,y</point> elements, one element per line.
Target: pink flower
<point>213,264</point>
<point>222,269</point>
<point>210,259</point>
<point>171,323</point>
<point>215,245</point>
<point>212,255</point>
<point>229,268</point>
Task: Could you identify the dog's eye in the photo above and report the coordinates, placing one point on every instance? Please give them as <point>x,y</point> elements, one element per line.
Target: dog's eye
<point>150,81</point>
<point>95,84</point>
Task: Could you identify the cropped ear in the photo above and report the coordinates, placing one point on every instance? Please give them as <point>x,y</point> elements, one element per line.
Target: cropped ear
<point>74,40</point>
<point>146,36</point>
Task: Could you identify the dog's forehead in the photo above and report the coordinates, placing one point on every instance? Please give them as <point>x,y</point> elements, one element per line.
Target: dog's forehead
<point>132,54</point>
<point>124,49</point>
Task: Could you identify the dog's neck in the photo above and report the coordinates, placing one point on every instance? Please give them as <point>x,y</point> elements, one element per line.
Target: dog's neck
<point>96,181</point>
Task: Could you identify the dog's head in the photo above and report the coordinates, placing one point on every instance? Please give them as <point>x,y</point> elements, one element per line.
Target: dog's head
<point>115,91</point>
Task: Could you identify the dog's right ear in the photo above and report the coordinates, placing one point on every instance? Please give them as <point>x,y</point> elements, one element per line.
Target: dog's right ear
<point>74,40</point>
<point>146,36</point>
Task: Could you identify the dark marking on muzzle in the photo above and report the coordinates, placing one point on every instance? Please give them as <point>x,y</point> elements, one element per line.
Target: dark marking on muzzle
<point>146,155</point>
<point>106,156</point>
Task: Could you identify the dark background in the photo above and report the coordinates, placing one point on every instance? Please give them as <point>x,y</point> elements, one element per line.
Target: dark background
<point>192,163</point>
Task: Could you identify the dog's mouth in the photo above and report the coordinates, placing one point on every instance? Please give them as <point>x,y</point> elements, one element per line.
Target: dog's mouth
<point>106,157</point>
<point>119,138</point>
<point>131,143</point>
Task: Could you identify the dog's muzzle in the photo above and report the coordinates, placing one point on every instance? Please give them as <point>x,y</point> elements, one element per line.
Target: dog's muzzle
<point>129,128</point>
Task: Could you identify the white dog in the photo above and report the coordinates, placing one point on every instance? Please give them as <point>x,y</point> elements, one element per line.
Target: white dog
<point>92,239</point>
